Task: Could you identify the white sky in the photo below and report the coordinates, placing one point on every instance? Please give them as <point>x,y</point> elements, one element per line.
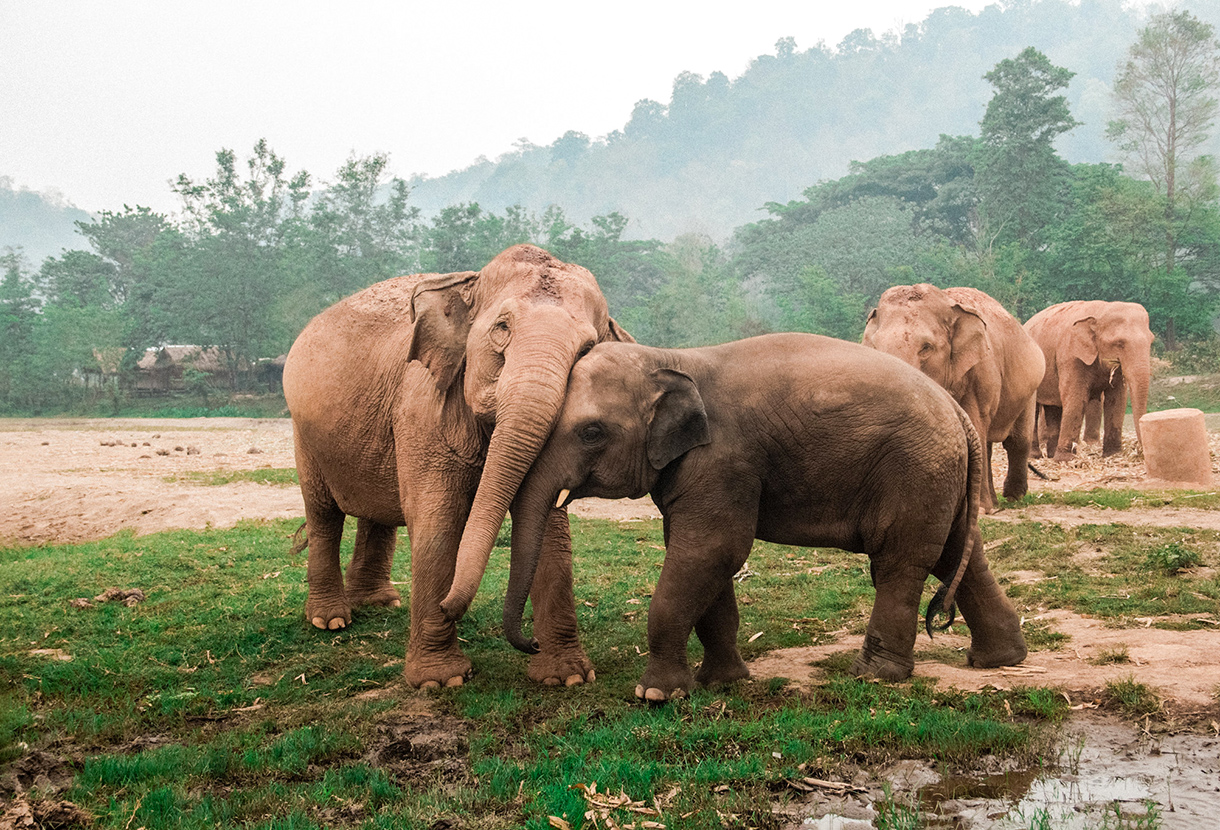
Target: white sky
<point>108,101</point>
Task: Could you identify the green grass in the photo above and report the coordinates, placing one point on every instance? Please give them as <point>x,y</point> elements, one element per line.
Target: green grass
<point>1104,571</point>
<point>213,703</point>
<point>1120,499</point>
<point>278,476</point>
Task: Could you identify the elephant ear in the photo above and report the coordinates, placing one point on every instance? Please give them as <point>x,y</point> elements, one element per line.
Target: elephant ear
<point>870,326</point>
<point>969,338</point>
<point>618,333</point>
<point>1082,340</point>
<point>441,312</point>
<point>679,421</point>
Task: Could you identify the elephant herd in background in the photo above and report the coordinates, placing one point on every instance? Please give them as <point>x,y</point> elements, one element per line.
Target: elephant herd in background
<point>444,401</point>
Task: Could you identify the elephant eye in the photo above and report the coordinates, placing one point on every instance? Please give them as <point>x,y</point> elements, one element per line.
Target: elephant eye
<point>500,334</point>
<point>925,348</point>
<point>591,433</point>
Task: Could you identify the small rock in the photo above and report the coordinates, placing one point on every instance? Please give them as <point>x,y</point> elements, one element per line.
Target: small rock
<point>162,452</point>
<point>254,451</point>
<point>158,435</point>
<point>46,443</point>
<point>192,450</point>
<point>80,602</point>
<point>178,449</point>
<point>134,444</point>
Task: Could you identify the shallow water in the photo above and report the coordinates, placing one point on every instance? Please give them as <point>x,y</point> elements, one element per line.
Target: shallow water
<point>1108,775</point>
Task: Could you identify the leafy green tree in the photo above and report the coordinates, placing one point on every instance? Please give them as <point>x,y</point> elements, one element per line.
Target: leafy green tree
<point>1166,105</point>
<point>465,237</point>
<point>81,279</point>
<point>18,320</point>
<point>1021,180</point>
<point>239,229</point>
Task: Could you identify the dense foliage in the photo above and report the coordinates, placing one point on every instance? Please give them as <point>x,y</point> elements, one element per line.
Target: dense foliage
<point>256,252</point>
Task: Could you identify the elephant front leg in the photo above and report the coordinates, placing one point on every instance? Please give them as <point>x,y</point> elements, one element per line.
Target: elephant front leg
<point>695,583</point>
<point>889,643</point>
<point>560,658</point>
<point>717,630</point>
<point>368,574</point>
<point>433,656</point>
<point>995,626</point>
<point>1070,425</point>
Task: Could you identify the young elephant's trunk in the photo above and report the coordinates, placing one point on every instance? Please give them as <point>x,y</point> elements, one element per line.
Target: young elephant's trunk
<point>532,511</point>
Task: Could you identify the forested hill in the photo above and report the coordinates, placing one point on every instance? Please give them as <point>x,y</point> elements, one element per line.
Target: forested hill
<point>41,224</point>
<point>721,148</point>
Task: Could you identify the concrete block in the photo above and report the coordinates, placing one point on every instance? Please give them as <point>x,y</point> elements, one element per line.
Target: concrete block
<point>1176,448</point>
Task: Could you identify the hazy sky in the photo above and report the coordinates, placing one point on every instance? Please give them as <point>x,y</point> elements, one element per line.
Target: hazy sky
<point>108,101</point>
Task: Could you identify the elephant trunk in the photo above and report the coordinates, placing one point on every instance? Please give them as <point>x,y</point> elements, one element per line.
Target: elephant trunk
<point>531,392</point>
<point>531,513</point>
<point>1136,377</point>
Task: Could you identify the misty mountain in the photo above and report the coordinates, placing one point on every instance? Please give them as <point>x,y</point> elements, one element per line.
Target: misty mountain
<point>40,224</point>
<point>709,159</point>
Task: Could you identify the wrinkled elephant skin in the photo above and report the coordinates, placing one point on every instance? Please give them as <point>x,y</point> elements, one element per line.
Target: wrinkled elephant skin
<point>422,401</point>
<point>969,344</point>
<point>1095,351</point>
<point>795,439</point>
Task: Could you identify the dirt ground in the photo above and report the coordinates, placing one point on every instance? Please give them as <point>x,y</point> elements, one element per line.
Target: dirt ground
<point>73,480</point>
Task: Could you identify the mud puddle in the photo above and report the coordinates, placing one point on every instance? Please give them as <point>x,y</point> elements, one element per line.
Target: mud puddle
<point>1106,774</point>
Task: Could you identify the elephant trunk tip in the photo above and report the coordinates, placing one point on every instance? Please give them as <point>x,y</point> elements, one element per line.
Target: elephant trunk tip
<point>455,607</point>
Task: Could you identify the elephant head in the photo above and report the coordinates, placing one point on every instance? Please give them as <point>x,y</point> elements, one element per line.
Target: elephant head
<point>506,337</point>
<point>1118,335</point>
<point>624,420</point>
<point>930,330</point>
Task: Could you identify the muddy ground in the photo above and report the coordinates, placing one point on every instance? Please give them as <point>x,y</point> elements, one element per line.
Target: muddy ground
<point>72,480</point>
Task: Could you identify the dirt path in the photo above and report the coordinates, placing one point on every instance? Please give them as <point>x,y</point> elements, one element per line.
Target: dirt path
<point>72,480</point>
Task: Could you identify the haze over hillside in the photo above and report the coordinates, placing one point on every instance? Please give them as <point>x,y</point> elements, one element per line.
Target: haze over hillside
<point>711,157</point>
<point>720,148</point>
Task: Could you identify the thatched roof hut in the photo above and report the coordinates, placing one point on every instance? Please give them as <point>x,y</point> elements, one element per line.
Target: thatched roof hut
<point>161,369</point>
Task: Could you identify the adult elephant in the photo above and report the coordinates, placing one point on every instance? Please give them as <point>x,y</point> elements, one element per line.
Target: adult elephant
<point>1094,351</point>
<point>422,401</point>
<point>969,344</point>
<point>790,438</point>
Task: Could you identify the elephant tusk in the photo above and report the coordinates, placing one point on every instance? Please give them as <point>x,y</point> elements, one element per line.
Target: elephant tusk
<point>563,496</point>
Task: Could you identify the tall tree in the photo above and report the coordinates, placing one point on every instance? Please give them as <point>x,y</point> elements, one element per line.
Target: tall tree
<point>1020,178</point>
<point>1166,105</point>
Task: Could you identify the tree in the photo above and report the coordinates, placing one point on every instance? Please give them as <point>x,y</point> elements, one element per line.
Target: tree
<point>1020,178</point>
<point>1166,105</point>
<point>18,319</point>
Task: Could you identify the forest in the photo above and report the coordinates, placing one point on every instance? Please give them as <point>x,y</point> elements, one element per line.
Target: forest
<point>257,249</point>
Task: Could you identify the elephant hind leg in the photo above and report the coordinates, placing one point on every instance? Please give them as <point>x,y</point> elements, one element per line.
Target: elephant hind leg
<point>368,574</point>
<point>995,626</point>
<point>1018,447</point>
<point>889,643</point>
<point>327,606</point>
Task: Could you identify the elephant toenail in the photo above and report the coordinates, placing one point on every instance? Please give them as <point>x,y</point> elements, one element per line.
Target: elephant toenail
<point>654,696</point>
<point>592,676</point>
<point>574,680</point>
<point>454,682</point>
<point>551,681</point>
<point>396,604</point>
<point>429,684</point>
<point>336,624</point>
<point>639,692</point>
<point>318,622</point>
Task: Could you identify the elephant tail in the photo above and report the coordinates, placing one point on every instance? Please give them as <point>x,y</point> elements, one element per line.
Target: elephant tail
<point>964,537</point>
<point>300,540</point>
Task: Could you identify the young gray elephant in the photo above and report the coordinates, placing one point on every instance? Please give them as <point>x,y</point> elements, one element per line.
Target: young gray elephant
<point>790,438</point>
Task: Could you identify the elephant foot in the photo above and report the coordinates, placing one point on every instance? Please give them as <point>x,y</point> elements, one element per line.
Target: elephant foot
<point>328,614</point>
<point>990,656</point>
<point>569,667</point>
<point>385,595</point>
<point>874,660</point>
<point>718,672</point>
<point>660,683</point>
<point>450,668</point>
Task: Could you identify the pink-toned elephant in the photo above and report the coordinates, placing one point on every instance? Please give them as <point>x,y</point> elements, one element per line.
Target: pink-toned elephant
<point>1094,351</point>
<point>969,344</point>
<point>422,401</point>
